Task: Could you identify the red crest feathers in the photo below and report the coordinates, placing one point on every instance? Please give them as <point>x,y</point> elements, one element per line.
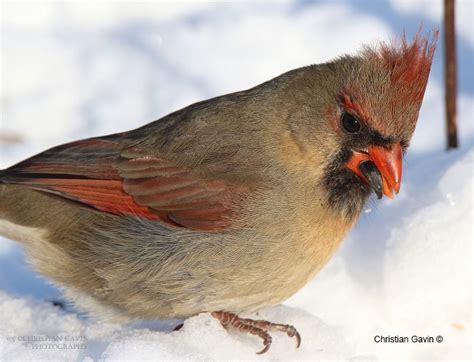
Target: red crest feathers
<point>409,64</point>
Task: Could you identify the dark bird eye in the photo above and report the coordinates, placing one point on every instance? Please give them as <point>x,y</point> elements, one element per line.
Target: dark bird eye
<point>350,123</point>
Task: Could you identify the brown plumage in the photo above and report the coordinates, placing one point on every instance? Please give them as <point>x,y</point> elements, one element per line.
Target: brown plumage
<point>231,204</point>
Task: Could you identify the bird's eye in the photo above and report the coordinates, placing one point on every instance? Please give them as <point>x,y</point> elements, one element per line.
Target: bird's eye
<point>350,123</point>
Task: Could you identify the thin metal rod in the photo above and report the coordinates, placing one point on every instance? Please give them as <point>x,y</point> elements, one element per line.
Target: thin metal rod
<point>450,73</point>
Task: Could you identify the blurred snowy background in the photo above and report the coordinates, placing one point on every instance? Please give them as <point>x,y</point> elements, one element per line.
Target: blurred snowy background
<point>72,70</point>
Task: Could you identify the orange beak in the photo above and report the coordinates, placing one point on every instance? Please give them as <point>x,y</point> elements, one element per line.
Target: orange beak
<point>388,162</point>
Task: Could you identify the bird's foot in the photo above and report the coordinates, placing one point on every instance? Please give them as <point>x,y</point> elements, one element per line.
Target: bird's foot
<point>258,327</point>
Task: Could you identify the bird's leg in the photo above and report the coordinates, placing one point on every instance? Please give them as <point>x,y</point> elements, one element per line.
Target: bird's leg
<point>257,327</point>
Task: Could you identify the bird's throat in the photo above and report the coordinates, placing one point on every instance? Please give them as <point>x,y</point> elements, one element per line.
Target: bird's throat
<point>346,193</point>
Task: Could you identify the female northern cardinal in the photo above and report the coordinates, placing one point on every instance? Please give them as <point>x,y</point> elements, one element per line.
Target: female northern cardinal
<point>227,206</point>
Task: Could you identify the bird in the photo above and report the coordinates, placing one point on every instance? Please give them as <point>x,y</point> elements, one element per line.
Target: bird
<point>229,205</point>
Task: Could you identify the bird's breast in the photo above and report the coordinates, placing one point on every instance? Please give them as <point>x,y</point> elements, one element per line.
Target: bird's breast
<point>294,236</point>
<point>314,237</point>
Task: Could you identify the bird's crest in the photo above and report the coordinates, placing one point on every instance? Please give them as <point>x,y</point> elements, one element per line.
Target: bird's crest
<point>408,63</point>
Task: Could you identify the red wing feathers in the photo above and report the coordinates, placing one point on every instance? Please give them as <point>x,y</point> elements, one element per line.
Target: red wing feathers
<point>104,195</point>
<point>96,173</point>
<point>174,191</point>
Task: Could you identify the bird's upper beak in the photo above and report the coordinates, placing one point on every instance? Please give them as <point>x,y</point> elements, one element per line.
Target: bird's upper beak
<point>380,167</point>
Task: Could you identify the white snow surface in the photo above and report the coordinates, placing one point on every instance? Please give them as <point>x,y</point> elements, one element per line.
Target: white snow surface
<point>76,70</point>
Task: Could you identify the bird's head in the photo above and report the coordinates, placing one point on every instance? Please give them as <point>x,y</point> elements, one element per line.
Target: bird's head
<point>370,106</point>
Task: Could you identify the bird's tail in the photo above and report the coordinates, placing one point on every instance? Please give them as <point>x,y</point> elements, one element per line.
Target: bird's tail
<point>26,213</point>
<point>3,192</point>
<point>22,210</point>
<point>2,189</point>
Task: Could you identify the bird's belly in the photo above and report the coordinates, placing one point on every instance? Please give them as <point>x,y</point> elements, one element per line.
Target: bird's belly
<point>203,272</point>
<point>276,271</point>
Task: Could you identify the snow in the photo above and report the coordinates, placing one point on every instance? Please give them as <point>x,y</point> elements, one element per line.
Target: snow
<point>74,70</point>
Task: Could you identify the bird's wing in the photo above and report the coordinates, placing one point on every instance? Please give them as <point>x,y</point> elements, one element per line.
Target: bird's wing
<point>102,174</point>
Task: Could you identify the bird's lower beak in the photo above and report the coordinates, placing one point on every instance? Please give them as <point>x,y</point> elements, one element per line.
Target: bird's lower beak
<point>381,168</point>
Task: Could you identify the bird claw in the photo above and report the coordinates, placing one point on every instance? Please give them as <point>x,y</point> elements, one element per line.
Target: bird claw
<point>259,328</point>
<point>267,342</point>
<point>292,332</point>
